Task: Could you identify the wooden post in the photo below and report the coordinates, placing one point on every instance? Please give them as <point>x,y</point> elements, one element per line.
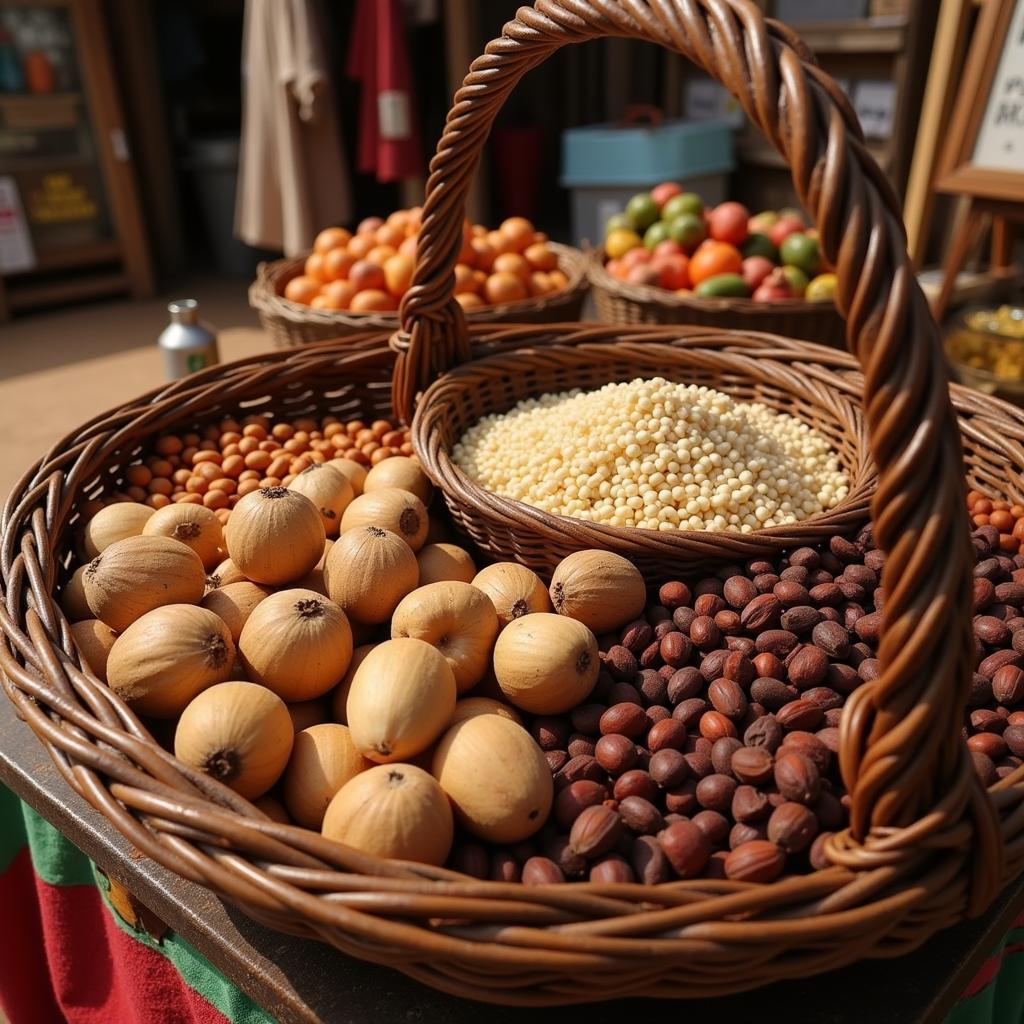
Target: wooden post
<point>461,49</point>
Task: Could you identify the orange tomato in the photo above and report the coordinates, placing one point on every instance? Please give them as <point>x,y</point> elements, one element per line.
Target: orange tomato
<point>399,219</point>
<point>540,282</point>
<point>467,254</point>
<point>512,263</point>
<point>339,294</point>
<point>479,231</point>
<point>398,274</point>
<point>408,246</point>
<point>540,257</point>
<point>373,300</point>
<point>539,236</point>
<point>469,300</point>
<point>390,235</point>
<point>519,231</point>
<point>505,287</point>
<point>337,264</point>
<point>302,289</point>
<point>483,253</point>
<point>381,254</point>
<point>320,302</point>
<point>361,245</point>
<point>315,266</point>
<point>498,242</point>
<point>712,258</point>
<point>415,216</point>
<point>368,225</point>
<point>366,275</point>
<point>331,238</point>
<point>465,280</point>
<point>480,280</point>
<point>558,280</point>
<point>614,267</point>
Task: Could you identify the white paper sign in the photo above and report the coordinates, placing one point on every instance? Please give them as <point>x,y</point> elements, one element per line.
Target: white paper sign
<point>16,251</point>
<point>1000,142</point>
<point>707,101</point>
<point>875,104</point>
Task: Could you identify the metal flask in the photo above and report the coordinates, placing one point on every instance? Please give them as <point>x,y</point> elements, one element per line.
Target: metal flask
<point>186,343</point>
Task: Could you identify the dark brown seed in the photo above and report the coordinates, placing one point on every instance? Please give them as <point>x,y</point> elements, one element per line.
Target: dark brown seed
<point>790,594</point>
<point>649,861</point>
<point>705,635</point>
<point>842,678</point>
<point>795,574</point>
<point>753,765</point>
<point>676,649</point>
<point>806,558</point>
<point>674,594</point>
<point>712,664</point>
<point>587,718</point>
<point>832,639</point>
<point>990,630</point>
<point>817,856</point>
<point>709,604</point>
<point>504,867</point>
<point>624,693</point>
<point>684,684</point>
<point>716,792</point>
<point>651,654</point>
<point>756,861</point>
<point>796,777</point>
<point>829,811</point>
<point>689,711</point>
<point>686,847</point>
<point>615,753</point>
<point>728,698</point>
<point>714,725</point>
<point>574,799</point>
<point>984,767</point>
<point>830,737</point>
<point>471,859</point>
<point>635,783</point>
<point>595,831</point>
<point>739,591</point>
<point>683,618</point>
<point>768,666</point>
<point>825,595</point>
<point>741,645</point>
<point>699,760</point>
<point>1014,737</point>
<point>668,733</point>
<point>584,767</point>
<point>636,636</point>
<point>621,663</point>
<point>800,619</point>
<point>1010,593</point>
<point>824,697</point>
<point>808,744</point>
<point>869,628</point>
<point>772,693</point>
<point>739,668</point>
<point>761,613</point>
<point>580,745</point>
<point>765,733</point>
<point>653,685</point>
<point>792,827</point>
<point>721,754</point>
<point>641,816</point>
<point>808,666</point>
<point>988,743</point>
<point>611,870</point>
<point>983,720</point>
<point>776,641</point>
<point>571,864</point>
<point>550,733</point>
<point>764,582</point>
<point>542,871</point>
<point>625,720</point>
<point>869,668</point>
<point>742,833</point>
<point>749,805</point>
<point>682,799</point>
<point>668,768</point>
<point>1008,685</point>
<point>728,622</point>
<point>556,759</point>
<point>714,825</point>
<point>799,714</point>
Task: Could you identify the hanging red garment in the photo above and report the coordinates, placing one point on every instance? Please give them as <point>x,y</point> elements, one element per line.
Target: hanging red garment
<point>389,144</point>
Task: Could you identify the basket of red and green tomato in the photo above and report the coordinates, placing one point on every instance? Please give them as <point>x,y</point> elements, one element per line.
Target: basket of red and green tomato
<point>670,239</point>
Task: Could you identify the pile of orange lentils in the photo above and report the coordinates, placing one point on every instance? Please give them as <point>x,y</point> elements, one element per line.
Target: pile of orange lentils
<point>220,464</point>
<point>1007,518</point>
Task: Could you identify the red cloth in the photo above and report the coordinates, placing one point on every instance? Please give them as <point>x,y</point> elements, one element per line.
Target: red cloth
<point>389,143</point>
<point>92,971</point>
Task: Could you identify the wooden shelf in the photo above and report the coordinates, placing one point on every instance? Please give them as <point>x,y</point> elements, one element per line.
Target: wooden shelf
<point>866,35</point>
<point>84,255</point>
<point>36,97</point>
<point>45,293</point>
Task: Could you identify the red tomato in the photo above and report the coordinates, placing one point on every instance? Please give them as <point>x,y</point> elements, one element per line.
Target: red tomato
<point>636,257</point>
<point>673,271</point>
<point>667,248</point>
<point>727,222</point>
<point>642,274</point>
<point>712,258</point>
<point>783,228</point>
<point>756,269</point>
<point>662,193</point>
<point>614,267</point>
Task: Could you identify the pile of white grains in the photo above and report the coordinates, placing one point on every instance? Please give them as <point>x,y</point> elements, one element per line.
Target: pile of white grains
<point>655,455</point>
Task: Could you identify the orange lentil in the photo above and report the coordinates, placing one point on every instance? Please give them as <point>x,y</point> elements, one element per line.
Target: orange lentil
<point>306,424</point>
<point>355,455</point>
<point>255,430</point>
<point>136,493</point>
<point>247,487</point>
<point>1017,511</point>
<point>322,445</point>
<point>258,460</point>
<point>316,456</point>
<point>1018,529</point>
<point>294,445</point>
<point>230,425</point>
<point>187,453</point>
<point>181,476</point>
<point>174,460</point>
<point>229,437</point>
<point>249,474</point>
<point>369,448</point>
<point>341,442</point>
<point>162,468</point>
<point>381,454</point>
<point>197,485</point>
<point>353,427</point>
<point>983,507</point>
<point>205,455</point>
<point>282,431</point>
<point>299,464</point>
<point>979,519</point>
<point>270,481</point>
<point>392,439</point>
<point>215,499</point>
<point>233,500</point>
<point>233,465</point>
<point>139,476</point>
<point>231,449</point>
<point>279,465</point>
<point>225,484</point>
<point>248,444</point>
<point>1008,542</point>
<point>333,429</point>
<point>285,481</point>
<point>406,448</point>
<point>1001,520</point>
<point>191,440</point>
<point>157,500</point>
<point>209,471</point>
<point>159,485</point>
<point>1001,506</point>
<point>380,428</point>
<point>168,445</point>
<point>223,514</point>
<point>269,446</point>
<point>365,436</point>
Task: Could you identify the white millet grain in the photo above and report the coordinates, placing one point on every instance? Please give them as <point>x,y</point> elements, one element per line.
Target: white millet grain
<point>655,455</point>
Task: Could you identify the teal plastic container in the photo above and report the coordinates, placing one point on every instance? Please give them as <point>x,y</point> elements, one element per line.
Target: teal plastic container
<point>604,164</point>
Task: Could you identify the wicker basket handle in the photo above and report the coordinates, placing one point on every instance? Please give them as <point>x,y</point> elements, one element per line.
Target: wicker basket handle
<point>902,755</point>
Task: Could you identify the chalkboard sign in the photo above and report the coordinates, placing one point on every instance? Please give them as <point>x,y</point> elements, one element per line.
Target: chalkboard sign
<point>984,155</point>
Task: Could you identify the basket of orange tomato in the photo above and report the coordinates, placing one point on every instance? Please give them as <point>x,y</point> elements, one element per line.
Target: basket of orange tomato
<point>354,281</point>
<point>668,258</point>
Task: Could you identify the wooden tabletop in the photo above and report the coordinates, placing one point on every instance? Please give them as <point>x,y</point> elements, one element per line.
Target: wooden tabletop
<point>299,980</point>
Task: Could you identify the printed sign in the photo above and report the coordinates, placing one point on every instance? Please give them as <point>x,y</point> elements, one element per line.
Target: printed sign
<point>999,144</point>
<point>16,252</point>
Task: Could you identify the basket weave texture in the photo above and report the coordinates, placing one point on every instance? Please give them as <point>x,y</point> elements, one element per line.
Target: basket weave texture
<point>292,323</point>
<point>621,302</point>
<point>926,843</point>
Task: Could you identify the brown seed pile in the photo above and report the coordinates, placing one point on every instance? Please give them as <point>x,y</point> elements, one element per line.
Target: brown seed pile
<point>217,465</point>
<point>709,746</point>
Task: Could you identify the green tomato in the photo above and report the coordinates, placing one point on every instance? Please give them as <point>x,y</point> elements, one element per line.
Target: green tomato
<point>796,279</point>
<point>685,202</point>
<point>620,220</point>
<point>687,229</point>
<point>656,233</point>
<point>642,210</point>
<point>761,223</point>
<point>723,286</point>
<point>800,250</point>
<point>760,245</point>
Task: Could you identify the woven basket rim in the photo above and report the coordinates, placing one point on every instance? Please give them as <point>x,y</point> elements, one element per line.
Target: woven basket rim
<point>265,297</point>
<point>599,277</point>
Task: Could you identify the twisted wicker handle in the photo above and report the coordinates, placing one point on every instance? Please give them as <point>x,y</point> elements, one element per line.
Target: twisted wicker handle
<point>902,756</point>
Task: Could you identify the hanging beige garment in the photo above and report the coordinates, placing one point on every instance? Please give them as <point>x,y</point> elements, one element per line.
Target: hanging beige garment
<point>292,177</point>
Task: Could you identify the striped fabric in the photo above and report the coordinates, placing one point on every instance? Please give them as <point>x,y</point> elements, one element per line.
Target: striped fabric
<point>77,959</point>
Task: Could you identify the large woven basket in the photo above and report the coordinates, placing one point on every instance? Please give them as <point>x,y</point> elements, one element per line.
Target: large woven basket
<point>621,302</point>
<point>292,323</point>
<point>926,845</point>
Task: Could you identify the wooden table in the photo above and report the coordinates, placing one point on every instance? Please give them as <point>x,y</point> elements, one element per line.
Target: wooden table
<point>298,980</point>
